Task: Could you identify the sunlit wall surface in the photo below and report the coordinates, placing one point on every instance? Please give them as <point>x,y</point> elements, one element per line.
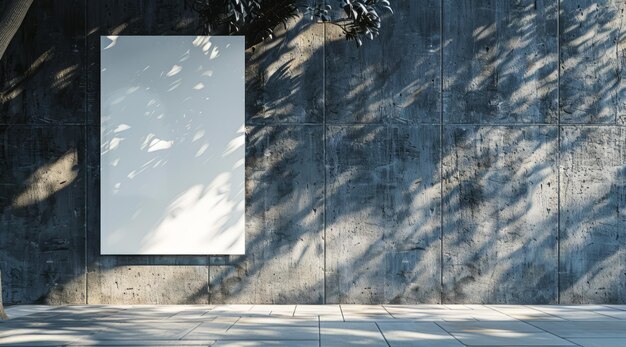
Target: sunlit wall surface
<point>172,145</point>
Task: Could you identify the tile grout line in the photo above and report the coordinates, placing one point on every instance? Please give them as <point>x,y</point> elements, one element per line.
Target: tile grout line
<point>381,333</point>
<point>232,325</point>
<point>319,331</point>
<point>553,334</point>
<point>189,331</point>
<point>614,308</point>
<point>496,310</point>
<point>569,320</point>
<point>544,312</point>
<point>389,313</point>
<point>449,333</point>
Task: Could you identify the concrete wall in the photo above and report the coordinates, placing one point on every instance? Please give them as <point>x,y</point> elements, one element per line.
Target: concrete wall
<point>474,153</point>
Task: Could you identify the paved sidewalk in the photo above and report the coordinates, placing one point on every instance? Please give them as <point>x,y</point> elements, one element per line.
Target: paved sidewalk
<point>316,325</point>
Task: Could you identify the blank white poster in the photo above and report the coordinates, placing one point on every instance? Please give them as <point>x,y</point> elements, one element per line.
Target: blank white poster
<point>172,145</point>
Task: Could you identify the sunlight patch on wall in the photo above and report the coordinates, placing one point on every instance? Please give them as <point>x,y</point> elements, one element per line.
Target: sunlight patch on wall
<point>48,180</point>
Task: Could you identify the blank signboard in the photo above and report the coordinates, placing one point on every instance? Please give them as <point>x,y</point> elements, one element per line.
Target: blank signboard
<point>172,145</point>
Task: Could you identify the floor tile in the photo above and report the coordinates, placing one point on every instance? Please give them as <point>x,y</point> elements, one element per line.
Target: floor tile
<point>523,313</point>
<point>615,328</point>
<point>417,335</point>
<point>257,328</point>
<point>351,334</point>
<point>286,321</point>
<point>152,343</point>
<point>143,331</point>
<point>572,312</point>
<point>38,336</point>
<point>325,312</point>
<point>364,309</point>
<point>501,333</point>
<point>25,310</point>
<point>211,330</point>
<point>429,314</point>
<point>240,343</point>
<point>600,341</point>
<point>274,310</point>
<point>364,313</point>
<point>366,318</point>
<point>271,332</point>
<point>521,327</point>
<point>509,338</point>
<point>617,314</point>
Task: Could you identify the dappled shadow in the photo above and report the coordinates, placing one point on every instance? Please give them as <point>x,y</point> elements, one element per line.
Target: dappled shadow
<point>352,179</point>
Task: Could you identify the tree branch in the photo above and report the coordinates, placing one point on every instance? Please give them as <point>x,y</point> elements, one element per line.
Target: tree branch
<point>12,16</point>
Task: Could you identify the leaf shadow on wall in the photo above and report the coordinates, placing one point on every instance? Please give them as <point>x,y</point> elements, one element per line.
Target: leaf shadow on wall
<point>357,157</point>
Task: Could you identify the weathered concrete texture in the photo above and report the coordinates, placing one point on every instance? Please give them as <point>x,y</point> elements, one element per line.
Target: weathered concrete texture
<point>379,183</point>
<point>47,50</point>
<point>500,214</point>
<point>284,77</point>
<point>383,214</point>
<point>284,261</point>
<point>500,61</point>
<point>393,79</point>
<point>42,214</point>
<point>146,284</point>
<point>593,55</point>
<point>593,215</point>
<point>129,17</point>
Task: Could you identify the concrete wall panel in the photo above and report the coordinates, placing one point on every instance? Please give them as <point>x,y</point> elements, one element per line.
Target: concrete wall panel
<point>284,77</point>
<point>593,55</point>
<point>393,79</point>
<point>42,72</point>
<point>593,215</point>
<point>500,214</point>
<point>383,214</point>
<point>284,261</point>
<point>146,284</point>
<point>42,220</point>
<point>500,61</point>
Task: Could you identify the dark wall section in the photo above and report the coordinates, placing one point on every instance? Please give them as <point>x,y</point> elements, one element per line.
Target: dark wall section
<point>474,153</point>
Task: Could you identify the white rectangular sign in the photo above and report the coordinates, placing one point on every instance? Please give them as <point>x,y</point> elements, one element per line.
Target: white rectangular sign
<point>172,145</point>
